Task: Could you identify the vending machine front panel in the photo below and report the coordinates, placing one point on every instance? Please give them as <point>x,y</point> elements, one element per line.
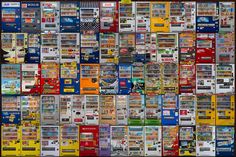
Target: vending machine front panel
<point>225,141</point>
<point>104,140</point>
<point>10,141</point>
<point>89,140</point>
<point>127,17</point>
<point>207,17</point>
<point>107,109</point>
<point>225,47</point>
<point>69,17</point>
<point>153,140</point>
<point>30,141</point>
<point>11,16</point>
<point>136,109</point>
<point>50,16</point>
<point>109,17</point>
<point>153,109</point>
<point>205,140</point>
<point>30,110</point>
<point>121,109</point>
<point>142,16</point>
<point>187,141</point>
<point>70,78</point>
<point>69,140</point>
<point>50,78</point>
<point>226,16</point>
<point>49,141</point>
<point>89,78</point>
<point>170,141</point>
<point>30,17</point>
<point>11,113</point>
<point>225,109</point>
<point>49,109</point>
<point>10,79</point>
<point>205,114</point>
<point>92,109</point>
<point>119,141</point>
<point>30,79</point>
<point>136,141</point>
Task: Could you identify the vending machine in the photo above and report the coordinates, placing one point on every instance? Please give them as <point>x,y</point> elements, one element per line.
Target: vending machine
<point>187,78</point>
<point>108,78</point>
<point>153,78</point>
<point>49,109</point>
<point>33,52</point>
<point>127,17</point>
<point>104,140</point>
<point>142,16</point>
<point>66,102</point>
<point>205,49</point>
<point>225,78</point>
<point>69,47</point>
<point>225,141</point>
<point>72,109</point>
<point>138,78</point>
<point>153,109</point>
<point>50,78</point>
<point>170,78</point>
<point>69,140</point>
<point>77,110</point>
<point>91,109</point>
<point>30,17</point>
<point>167,47</point>
<point>170,141</point>
<point>10,140</point>
<point>89,16</point>
<point>205,78</point>
<point>50,16</point>
<point>89,50</point>
<point>146,50</point>
<point>11,112</point>
<point>89,78</point>
<point>153,140</point>
<point>136,109</point>
<point>136,141</point>
<point>160,20</point>
<point>69,16</point>
<point>127,47</point>
<point>225,109</point>
<point>225,47</point>
<point>125,84</point>
<point>30,110</point>
<point>30,141</point>
<point>187,141</point>
<point>226,16</point>
<point>205,140</point>
<point>14,46</point>
<point>50,47</point>
<point>182,16</point>
<point>207,17</point>
<point>30,78</point>
<point>107,109</point>
<point>10,79</point>
<point>205,114</point>
<point>109,48</point>
<point>187,47</point>
<point>170,109</point>
<point>49,141</point>
<point>121,109</point>
<point>11,16</point>
<point>119,140</point>
<point>70,78</point>
<point>187,109</point>
<point>89,140</point>
<point>109,17</point>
